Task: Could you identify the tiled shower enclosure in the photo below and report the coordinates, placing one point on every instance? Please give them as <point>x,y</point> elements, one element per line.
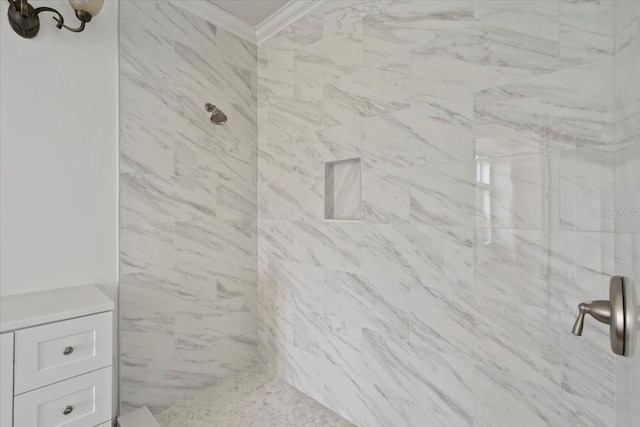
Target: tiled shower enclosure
<point>407,204</point>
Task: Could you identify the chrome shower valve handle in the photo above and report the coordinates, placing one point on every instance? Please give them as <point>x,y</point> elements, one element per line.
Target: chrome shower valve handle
<point>620,313</point>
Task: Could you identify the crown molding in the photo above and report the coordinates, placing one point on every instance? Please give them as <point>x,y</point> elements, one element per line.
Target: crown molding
<point>287,14</point>
<point>219,17</point>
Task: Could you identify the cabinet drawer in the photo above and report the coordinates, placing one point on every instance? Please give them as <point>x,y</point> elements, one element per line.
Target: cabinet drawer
<point>78,402</point>
<point>51,353</point>
<point>6,379</point>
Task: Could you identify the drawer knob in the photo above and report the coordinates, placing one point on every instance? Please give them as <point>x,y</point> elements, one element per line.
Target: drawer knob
<point>67,410</point>
<point>67,351</point>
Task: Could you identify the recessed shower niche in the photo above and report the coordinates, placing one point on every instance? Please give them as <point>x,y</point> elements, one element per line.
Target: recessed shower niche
<point>342,200</point>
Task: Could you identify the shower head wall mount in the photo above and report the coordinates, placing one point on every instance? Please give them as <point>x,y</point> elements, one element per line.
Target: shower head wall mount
<point>217,116</point>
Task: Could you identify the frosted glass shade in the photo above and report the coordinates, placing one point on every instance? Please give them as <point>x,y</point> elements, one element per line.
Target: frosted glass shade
<point>92,7</point>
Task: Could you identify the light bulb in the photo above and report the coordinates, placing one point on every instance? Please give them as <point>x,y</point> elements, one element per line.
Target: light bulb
<point>92,7</point>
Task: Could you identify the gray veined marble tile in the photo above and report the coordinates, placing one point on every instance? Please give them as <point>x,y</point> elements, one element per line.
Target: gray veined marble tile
<point>514,265</point>
<point>385,194</point>
<point>190,29</point>
<point>141,45</point>
<point>458,245</point>
<point>322,62</point>
<point>436,389</point>
<point>214,239</point>
<point>520,192</point>
<point>403,253</point>
<point>367,92</point>
<point>392,28</point>
<point>628,378</point>
<point>207,158</point>
<point>488,53</point>
<point>343,17</point>
<point>519,340</point>
<point>445,67</point>
<point>297,117</point>
<point>146,131</point>
<point>147,198</point>
<point>511,119</point>
<point>591,261</point>
<point>580,103</point>
<point>443,194</point>
<point>192,70</point>
<point>586,30</point>
<point>237,277</point>
<point>300,34</point>
<point>338,142</point>
<point>588,176</point>
<point>388,142</point>
<point>328,244</point>
<point>188,204</point>
<point>445,321</point>
<point>441,129</point>
<point>146,245</point>
<point>354,302</point>
<point>275,75</point>
<point>236,50</point>
<point>502,400</point>
<point>588,360</point>
<point>227,318</point>
<point>236,198</point>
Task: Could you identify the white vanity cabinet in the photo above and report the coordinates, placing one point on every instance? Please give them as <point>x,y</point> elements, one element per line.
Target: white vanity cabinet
<point>6,379</point>
<point>56,358</point>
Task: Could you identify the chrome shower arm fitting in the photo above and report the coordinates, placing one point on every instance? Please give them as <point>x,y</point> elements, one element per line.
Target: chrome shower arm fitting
<point>599,310</point>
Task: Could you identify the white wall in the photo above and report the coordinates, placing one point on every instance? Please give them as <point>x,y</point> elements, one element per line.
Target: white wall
<point>59,143</point>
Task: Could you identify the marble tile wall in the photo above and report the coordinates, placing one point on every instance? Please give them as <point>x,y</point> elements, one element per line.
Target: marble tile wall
<point>627,191</point>
<point>188,282</point>
<point>489,141</point>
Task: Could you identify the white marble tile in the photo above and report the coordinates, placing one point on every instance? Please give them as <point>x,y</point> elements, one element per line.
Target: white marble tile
<point>520,191</point>
<point>580,103</point>
<point>434,387</point>
<point>236,50</point>
<point>510,119</point>
<point>504,401</point>
<point>367,92</point>
<point>445,321</point>
<point>443,194</point>
<point>331,245</point>
<point>355,302</point>
<point>513,341</point>
<point>237,277</point>
<point>385,194</point>
<point>146,245</point>
<point>403,253</point>
<point>151,112</point>
<point>586,30</point>
<point>424,92</point>
<point>587,360</point>
<point>392,28</point>
<point>140,42</point>
<point>511,265</point>
<point>188,204</point>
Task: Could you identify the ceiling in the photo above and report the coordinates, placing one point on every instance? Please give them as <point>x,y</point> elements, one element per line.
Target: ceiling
<point>252,12</point>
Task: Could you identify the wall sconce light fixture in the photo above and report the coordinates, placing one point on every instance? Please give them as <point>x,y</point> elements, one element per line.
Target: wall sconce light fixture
<point>24,18</point>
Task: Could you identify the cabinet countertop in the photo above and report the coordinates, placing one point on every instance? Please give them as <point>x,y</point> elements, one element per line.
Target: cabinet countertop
<point>36,308</point>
